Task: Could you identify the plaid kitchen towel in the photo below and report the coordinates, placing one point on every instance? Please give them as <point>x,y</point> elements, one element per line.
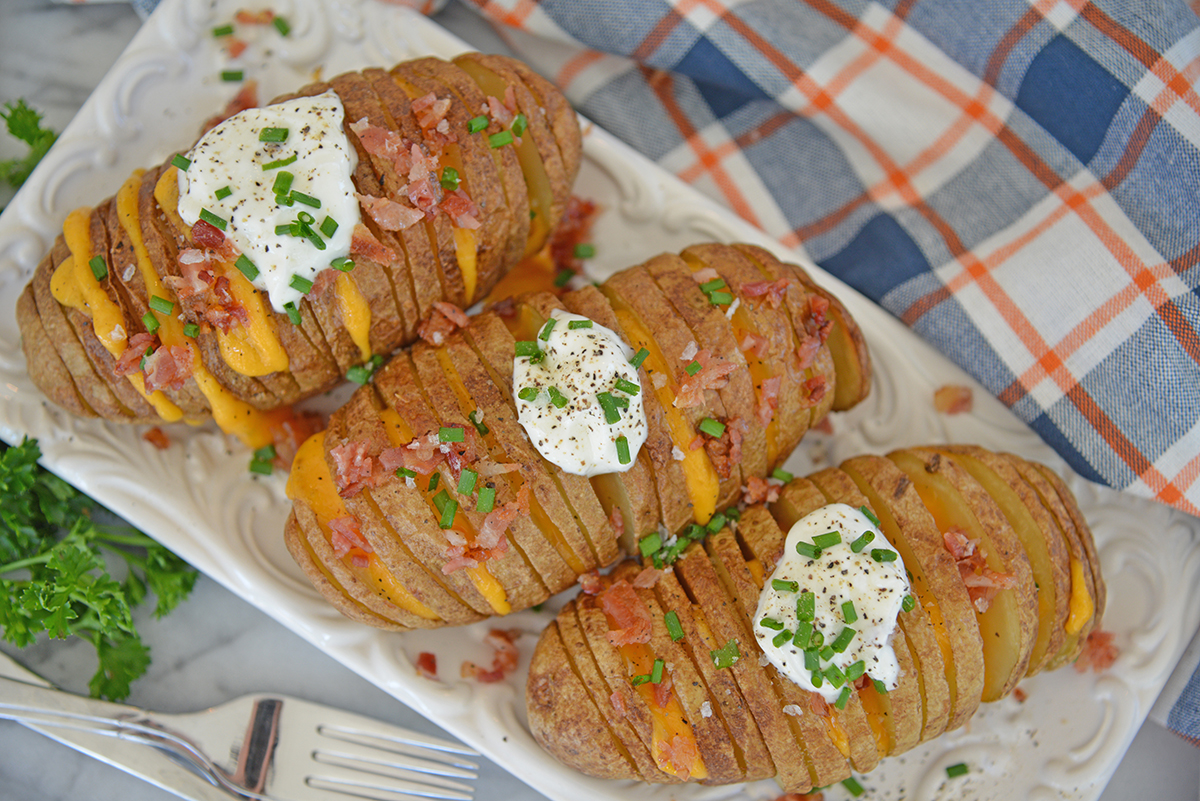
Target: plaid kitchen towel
<point>1017,181</point>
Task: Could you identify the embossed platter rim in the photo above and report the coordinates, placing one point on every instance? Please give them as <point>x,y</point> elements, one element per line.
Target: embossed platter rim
<point>227,523</point>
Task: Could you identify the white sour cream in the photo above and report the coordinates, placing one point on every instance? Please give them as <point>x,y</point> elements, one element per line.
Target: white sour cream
<point>876,588</point>
<point>227,177</point>
<point>579,363</point>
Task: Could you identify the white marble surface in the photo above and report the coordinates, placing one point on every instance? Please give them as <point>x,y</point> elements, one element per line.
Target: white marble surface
<point>216,646</point>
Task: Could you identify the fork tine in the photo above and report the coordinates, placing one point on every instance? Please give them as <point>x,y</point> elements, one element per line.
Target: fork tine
<point>422,769</point>
<point>387,785</point>
<point>411,744</point>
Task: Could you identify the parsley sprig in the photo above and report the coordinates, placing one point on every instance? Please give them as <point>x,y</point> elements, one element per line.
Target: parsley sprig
<point>54,571</point>
<point>25,124</point>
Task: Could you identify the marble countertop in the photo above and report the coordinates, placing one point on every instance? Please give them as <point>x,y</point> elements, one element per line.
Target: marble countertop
<point>216,646</point>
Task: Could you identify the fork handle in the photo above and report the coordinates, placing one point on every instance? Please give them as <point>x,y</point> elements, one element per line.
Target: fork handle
<point>28,702</point>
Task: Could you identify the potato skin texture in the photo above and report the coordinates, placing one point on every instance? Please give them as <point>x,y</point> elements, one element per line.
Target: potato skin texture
<point>742,557</point>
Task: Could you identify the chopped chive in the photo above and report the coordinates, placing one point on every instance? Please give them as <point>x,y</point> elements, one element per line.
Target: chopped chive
<point>575,325</point>
<point>273,135</point>
<point>293,313</point>
<point>563,278</point>
<point>557,398</point>
<point>161,305</point>
<point>620,401</point>
<point>870,515</point>
<point>191,330</point>
<point>954,771</point>
<point>433,481</point>
<point>181,161</point>
<point>477,124</point>
<point>883,555</point>
<point>651,543</point>
<point>274,165</point>
<point>862,542</point>
<point>487,499</point>
<point>342,263</point>
<point>307,200</point>
<point>726,656</point>
<point>693,368</point>
<point>404,472</point>
<point>466,481</point>
<point>329,226</point>
<point>213,220</point>
<point>817,678</point>
<point>803,632</point>
<point>815,641</point>
<point>286,200</point>
<point>808,549</point>
<point>584,250</point>
<point>855,671</point>
<point>266,452</point>
<point>716,524</point>
<point>284,230</point>
<point>222,30</point>
<point>449,179</point>
<point>639,357</point>
<point>712,427</point>
<point>544,334</point>
<point>708,287</point>
<point>612,414</point>
<point>909,603</point>
<point>283,182</point>
<point>223,192</point>
<point>835,675</point>
<point>361,373</point>
<point>448,513</point>
<point>281,25</point>
<point>840,703</point>
<point>477,421</point>
<point>628,387</point>
<point>853,787</point>
<point>528,394</point>
<point>246,267</point>
<point>639,679</point>
<point>671,619</point>
<point>849,613</point>
<point>827,653</point>
<point>500,139</point>
<point>519,124</point>
<point>231,76</point>
<point>781,638</point>
<point>880,687</point>
<point>812,663</point>
<point>300,283</point>
<point>733,514</point>
<point>526,348</point>
<point>720,298</point>
<point>782,585</point>
<point>656,673</point>
<point>827,540</point>
<point>843,640</point>
<point>771,623</point>
<point>261,467</point>
<point>623,450</point>
<point>150,322</point>
<point>451,434</point>
<point>99,268</point>
<point>783,475</point>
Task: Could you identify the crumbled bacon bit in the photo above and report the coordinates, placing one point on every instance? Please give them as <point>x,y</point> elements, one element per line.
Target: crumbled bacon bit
<point>461,210</point>
<point>953,399</point>
<point>725,451</point>
<point>130,360</point>
<point>245,17</point>
<point>705,274</point>
<point>388,214</point>
<point>207,235</point>
<point>502,112</point>
<point>1099,652</point>
<point>364,243</point>
<point>590,583</point>
<point>713,374</point>
<point>427,665</point>
<point>750,342</point>
<point>818,705</point>
<point>289,430</point>
<point>815,389</point>
<point>236,47</point>
<point>168,367</point>
<point>618,703</point>
<point>647,578</point>
<point>487,468</point>
<point>801,797</point>
<point>247,97</point>
<point>768,399</point>
<point>503,662</point>
<point>981,581</point>
<point>1020,694</point>
<point>662,691</point>
<point>384,144</point>
<point>617,521</point>
<point>354,467</point>
<point>431,116</point>
<point>759,490</point>
<point>628,613</point>
<point>490,542</point>
<point>158,438</point>
<point>681,754</point>
<point>773,291</point>
<point>824,426</point>
<point>423,189</point>
<point>443,320</point>
<point>807,350</point>
<point>574,228</point>
<point>346,536</point>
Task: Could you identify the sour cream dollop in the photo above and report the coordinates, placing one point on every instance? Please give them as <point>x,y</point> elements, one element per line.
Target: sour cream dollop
<point>233,175</point>
<point>558,394</point>
<point>873,580</point>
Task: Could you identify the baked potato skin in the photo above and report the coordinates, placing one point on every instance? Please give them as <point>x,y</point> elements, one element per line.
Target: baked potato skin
<point>75,370</point>
<point>713,589</point>
<point>564,526</point>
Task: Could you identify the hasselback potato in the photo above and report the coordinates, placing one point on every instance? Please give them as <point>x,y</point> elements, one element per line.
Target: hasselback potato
<point>1005,582</point>
<point>739,355</point>
<point>462,169</point>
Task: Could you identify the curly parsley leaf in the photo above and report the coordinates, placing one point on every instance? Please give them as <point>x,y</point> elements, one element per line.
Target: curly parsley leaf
<point>59,583</point>
<point>25,124</point>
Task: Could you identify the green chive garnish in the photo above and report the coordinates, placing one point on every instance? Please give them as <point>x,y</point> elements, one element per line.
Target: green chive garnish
<point>404,472</point>
<point>827,540</point>
<point>342,263</point>
<point>817,678</point>
<point>487,500</point>
<point>808,549</point>
<point>584,250</point>
<point>782,585</point>
<point>449,179</point>
<point>855,671</point>
<point>477,421</point>
<point>223,192</point>
<point>261,467</point>
<point>286,200</point>
<point>853,787</point>
<point>477,124</point>
<point>803,632</point>
<point>862,542</point>
<point>557,398</point>
<point>362,373</point>
<point>827,653</point>
<point>544,334</point>
<point>577,324</point>
<point>843,640</point>
<point>840,703</point>
<point>283,182</point>
<point>656,673</point>
<point>274,165</point>
<point>812,663</point>
<point>99,268</point>
<point>612,414</point>
<point>307,200</point>
<point>563,278</point>
<point>849,613</point>
<point>623,449</point>
<point>500,139</point>
<point>639,357</point>
<point>433,481</point>
<point>451,434</point>
<point>293,313</point>
<point>639,679</point>
<point>150,322</point>
<point>955,771</point>
<point>246,267</point>
<point>628,387</point>
<point>870,515</point>
<point>266,452</point>
<point>526,348</point>
<point>883,555</point>
<point>781,638</point>
<point>712,427</point>
<point>771,623</point>
<point>693,368</point>
<point>273,135</point>
<point>528,394</point>
<point>716,524</point>
<point>708,287</point>
<point>300,283</point>
<point>909,603</point>
<point>329,226</point>
<point>222,30</point>
<point>733,514</point>
<point>783,476</point>
<point>161,305</point>
<point>448,513</point>
<point>835,676</point>
<point>726,657</point>
<point>181,162</point>
<point>466,481</point>
<point>213,220</point>
<point>720,298</point>
<point>191,330</point>
<point>650,544</point>
<point>231,75</point>
<point>880,687</point>
<point>282,26</point>
<point>519,124</point>
<point>671,619</point>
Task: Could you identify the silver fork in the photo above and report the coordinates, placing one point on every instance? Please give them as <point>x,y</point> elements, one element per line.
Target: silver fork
<point>266,747</point>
